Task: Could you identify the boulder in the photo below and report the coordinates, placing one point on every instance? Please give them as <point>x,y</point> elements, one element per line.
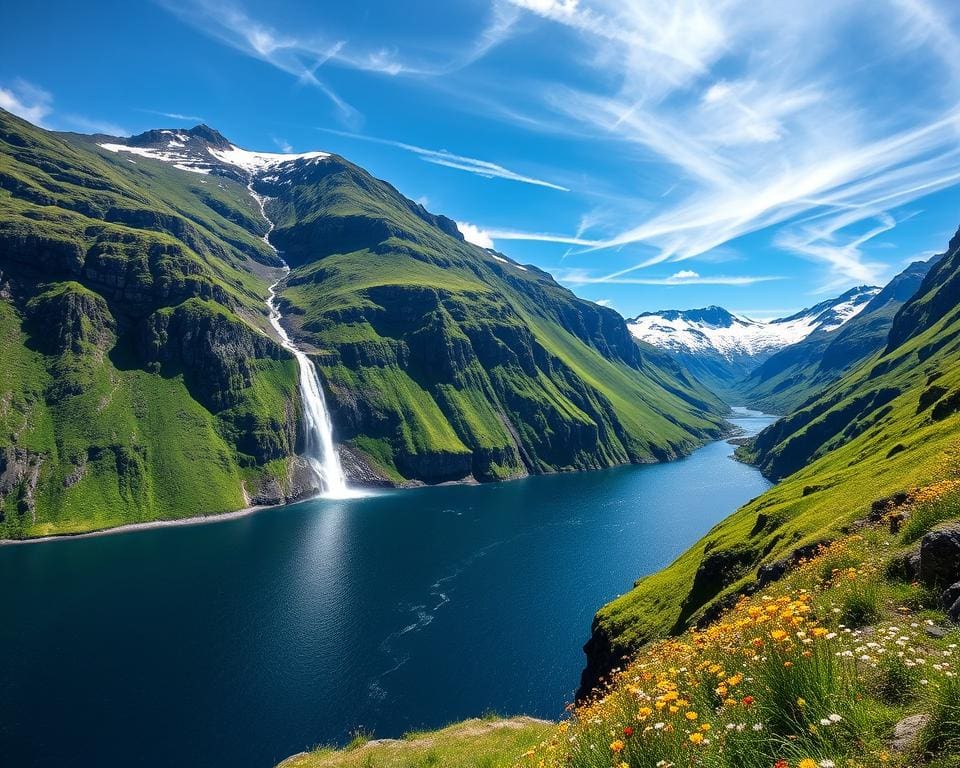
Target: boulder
<point>940,556</point>
<point>906,732</point>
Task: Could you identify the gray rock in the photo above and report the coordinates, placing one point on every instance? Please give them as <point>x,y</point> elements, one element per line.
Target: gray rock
<point>953,612</point>
<point>950,595</point>
<point>905,732</point>
<point>940,556</point>
<point>938,633</point>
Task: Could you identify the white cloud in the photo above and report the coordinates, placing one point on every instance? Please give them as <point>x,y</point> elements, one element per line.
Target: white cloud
<point>27,101</point>
<point>302,54</point>
<point>604,302</point>
<point>755,115</point>
<point>178,116</point>
<point>473,234</point>
<point>282,144</point>
<point>683,277</point>
<point>447,159</point>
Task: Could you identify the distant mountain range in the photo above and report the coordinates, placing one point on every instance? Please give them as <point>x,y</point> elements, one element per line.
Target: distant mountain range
<point>721,348</point>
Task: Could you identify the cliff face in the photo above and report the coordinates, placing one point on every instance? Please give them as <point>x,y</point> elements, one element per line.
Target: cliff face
<point>444,361</point>
<point>134,380</point>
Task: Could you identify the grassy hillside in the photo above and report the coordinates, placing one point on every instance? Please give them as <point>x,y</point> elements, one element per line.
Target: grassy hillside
<point>890,424</point>
<point>841,663</point>
<point>486,743</point>
<point>134,382</point>
<point>144,382</point>
<point>445,361</point>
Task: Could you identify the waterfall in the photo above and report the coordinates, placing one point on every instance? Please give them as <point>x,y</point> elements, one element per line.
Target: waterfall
<point>319,449</point>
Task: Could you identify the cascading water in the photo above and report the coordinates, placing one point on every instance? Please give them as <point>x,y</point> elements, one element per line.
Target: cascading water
<point>319,450</point>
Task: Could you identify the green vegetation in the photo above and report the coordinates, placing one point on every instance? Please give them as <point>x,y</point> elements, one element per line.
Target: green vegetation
<point>444,361</point>
<point>487,743</point>
<point>135,383</point>
<point>884,427</point>
<point>144,384</point>
<point>784,680</point>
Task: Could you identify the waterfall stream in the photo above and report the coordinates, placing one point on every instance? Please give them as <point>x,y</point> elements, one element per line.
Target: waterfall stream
<point>319,449</point>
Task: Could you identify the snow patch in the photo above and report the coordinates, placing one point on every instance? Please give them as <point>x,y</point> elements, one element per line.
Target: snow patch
<point>254,162</point>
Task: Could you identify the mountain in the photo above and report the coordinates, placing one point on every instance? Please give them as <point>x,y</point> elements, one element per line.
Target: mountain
<point>800,371</point>
<point>888,425</point>
<point>720,348</point>
<point>142,380</point>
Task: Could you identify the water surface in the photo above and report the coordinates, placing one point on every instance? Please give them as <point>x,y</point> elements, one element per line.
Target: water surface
<point>240,642</point>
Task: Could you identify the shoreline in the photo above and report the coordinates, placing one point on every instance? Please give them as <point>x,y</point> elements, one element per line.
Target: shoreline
<point>213,517</point>
<point>216,517</point>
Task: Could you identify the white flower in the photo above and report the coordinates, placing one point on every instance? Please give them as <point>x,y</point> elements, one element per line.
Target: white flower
<point>824,721</point>
<point>835,718</point>
<point>827,764</point>
<point>758,726</point>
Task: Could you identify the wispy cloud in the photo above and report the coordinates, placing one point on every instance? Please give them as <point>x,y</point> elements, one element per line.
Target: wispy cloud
<point>447,159</point>
<point>757,116</point>
<point>282,144</point>
<point>683,277</point>
<point>26,100</point>
<point>179,117</point>
<point>302,54</point>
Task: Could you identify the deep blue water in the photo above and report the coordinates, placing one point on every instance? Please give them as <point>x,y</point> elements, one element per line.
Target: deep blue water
<point>240,642</point>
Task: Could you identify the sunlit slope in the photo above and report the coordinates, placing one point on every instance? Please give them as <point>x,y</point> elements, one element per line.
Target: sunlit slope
<point>881,428</point>
<point>445,361</point>
<point>134,384</point>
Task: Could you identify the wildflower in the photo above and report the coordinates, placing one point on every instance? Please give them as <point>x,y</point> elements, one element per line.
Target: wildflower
<point>628,731</point>
<point>807,763</point>
<point>781,763</point>
<point>827,764</point>
<point>801,702</point>
<point>691,715</point>
<point>617,746</point>
<point>747,701</point>
<point>696,738</point>
<point>835,718</point>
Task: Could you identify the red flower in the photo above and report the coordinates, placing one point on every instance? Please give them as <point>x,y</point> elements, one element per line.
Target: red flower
<point>781,763</point>
<point>628,731</point>
<point>747,701</point>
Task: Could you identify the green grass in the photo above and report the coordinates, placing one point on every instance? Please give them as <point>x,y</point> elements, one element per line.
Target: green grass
<point>451,362</point>
<point>835,457</point>
<point>103,255</point>
<point>478,743</point>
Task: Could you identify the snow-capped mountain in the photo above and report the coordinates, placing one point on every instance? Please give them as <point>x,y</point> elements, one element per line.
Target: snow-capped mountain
<point>720,347</point>
<point>201,149</point>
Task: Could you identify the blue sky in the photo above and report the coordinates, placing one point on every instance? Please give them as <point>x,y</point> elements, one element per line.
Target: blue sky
<point>677,153</point>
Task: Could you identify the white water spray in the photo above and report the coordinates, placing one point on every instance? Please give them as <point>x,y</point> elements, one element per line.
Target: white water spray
<point>319,450</point>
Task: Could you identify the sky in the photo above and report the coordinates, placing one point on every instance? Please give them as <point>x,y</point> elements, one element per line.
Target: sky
<point>650,154</point>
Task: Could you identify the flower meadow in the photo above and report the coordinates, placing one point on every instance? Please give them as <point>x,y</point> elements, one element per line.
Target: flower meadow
<point>814,671</point>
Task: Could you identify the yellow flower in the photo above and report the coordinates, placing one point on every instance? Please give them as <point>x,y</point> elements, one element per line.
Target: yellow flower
<point>801,702</point>
<point>617,746</point>
<point>778,635</point>
<point>807,763</point>
<point>691,715</point>
<point>696,738</point>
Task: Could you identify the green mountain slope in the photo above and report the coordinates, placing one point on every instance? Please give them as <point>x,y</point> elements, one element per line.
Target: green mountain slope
<point>890,424</point>
<point>134,383</point>
<point>142,380</point>
<point>801,371</point>
<point>445,361</point>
